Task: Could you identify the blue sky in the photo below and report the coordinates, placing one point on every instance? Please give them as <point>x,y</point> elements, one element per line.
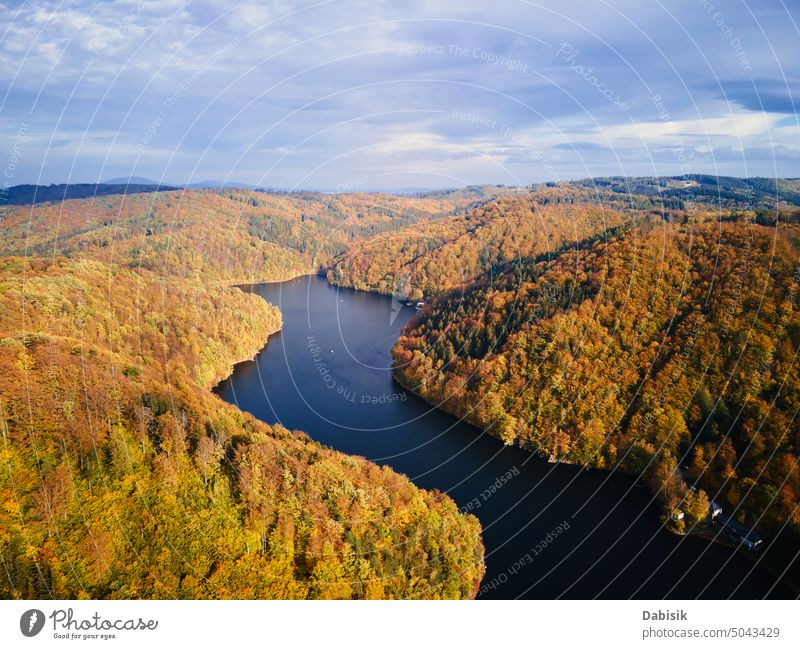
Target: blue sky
<point>367,95</point>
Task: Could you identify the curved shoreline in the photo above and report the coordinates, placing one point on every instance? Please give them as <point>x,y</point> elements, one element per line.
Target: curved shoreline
<point>700,531</point>
<point>445,408</point>
<point>252,357</point>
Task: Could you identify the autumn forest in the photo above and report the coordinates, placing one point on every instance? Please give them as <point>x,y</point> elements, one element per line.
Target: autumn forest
<point>649,327</point>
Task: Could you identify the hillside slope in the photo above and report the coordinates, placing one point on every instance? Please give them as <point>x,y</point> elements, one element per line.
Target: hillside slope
<point>425,259</point>
<point>663,346</point>
<point>122,476</point>
<point>225,235</point>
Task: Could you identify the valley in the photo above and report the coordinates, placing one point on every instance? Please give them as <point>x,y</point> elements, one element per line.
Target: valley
<point>631,350</point>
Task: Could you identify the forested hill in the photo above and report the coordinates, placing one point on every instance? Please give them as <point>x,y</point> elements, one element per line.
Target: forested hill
<point>123,476</point>
<point>228,235</point>
<point>667,345</point>
<point>424,259</point>
<point>762,194</point>
<point>33,194</point>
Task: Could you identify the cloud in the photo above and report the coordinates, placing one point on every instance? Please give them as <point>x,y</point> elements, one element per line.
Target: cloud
<point>581,146</point>
<point>770,95</point>
<point>298,90</point>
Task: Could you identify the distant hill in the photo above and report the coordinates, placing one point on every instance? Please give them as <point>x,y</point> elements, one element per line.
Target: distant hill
<point>470,191</point>
<point>220,184</point>
<point>242,235</point>
<point>202,184</point>
<point>426,258</point>
<point>131,180</point>
<point>32,194</point>
<point>725,191</point>
<point>668,192</point>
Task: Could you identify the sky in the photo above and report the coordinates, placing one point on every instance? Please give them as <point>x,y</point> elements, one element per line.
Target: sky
<point>346,95</point>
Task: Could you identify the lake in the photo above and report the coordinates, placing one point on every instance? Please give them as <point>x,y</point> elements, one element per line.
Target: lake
<point>550,530</point>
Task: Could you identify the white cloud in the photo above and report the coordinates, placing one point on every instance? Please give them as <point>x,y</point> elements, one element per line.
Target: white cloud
<point>124,59</point>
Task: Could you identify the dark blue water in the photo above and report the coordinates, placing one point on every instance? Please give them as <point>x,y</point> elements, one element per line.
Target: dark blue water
<point>328,373</point>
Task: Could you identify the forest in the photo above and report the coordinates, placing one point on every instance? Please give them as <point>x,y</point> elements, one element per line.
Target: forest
<point>424,259</point>
<point>123,476</point>
<point>224,235</point>
<point>32,194</point>
<point>665,349</point>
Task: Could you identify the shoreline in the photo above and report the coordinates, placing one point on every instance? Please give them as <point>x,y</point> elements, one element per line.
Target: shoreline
<point>704,531</point>
<point>213,389</point>
<point>232,368</point>
<point>232,365</point>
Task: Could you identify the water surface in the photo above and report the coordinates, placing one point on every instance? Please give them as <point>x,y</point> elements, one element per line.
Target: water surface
<point>328,373</point>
